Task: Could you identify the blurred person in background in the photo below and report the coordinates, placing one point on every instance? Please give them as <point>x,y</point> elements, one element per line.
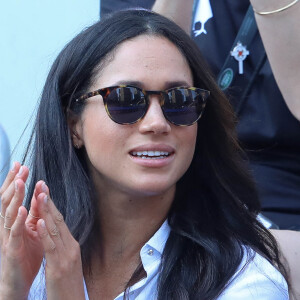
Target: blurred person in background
<point>4,154</point>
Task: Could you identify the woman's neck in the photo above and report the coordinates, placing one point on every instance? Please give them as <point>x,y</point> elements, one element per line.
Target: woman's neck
<point>126,223</point>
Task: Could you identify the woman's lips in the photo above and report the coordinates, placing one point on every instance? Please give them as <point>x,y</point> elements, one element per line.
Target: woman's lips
<point>152,156</point>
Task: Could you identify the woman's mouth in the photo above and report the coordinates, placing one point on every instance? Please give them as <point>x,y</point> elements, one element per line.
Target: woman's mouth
<point>153,156</point>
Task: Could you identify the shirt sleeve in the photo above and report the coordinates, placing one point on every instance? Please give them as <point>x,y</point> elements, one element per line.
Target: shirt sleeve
<point>38,288</point>
<point>256,279</point>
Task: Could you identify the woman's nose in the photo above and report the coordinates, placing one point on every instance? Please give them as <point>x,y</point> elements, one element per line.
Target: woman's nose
<point>154,120</point>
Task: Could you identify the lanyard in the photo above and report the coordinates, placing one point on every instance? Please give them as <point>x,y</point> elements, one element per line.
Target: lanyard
<point>233,65</point>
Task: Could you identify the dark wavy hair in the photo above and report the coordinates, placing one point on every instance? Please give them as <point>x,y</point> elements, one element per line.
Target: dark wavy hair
<point>213,216</point>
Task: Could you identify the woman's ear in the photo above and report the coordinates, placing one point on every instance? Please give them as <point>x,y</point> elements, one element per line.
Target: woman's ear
<point>75,127</point>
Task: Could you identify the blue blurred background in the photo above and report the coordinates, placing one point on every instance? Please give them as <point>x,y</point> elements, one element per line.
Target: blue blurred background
<point>32,33</point>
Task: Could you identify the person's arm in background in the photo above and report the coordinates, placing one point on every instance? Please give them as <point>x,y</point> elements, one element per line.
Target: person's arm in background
<point>280,33</point>
<point>178,11</point>
<point>289,244</point>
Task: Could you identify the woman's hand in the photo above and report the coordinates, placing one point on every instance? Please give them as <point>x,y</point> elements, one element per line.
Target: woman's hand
<point>64,276</point>
<point>21,248</point>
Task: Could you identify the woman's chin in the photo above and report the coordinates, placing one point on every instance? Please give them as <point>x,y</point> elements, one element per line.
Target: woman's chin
<point>152,189</point>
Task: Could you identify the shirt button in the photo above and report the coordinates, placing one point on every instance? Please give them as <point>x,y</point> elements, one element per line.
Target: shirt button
<point>150,252</point>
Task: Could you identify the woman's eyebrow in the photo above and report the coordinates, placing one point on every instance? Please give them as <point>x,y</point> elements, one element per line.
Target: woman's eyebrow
<point>172,84</point>
<point>167,84</point>
<point>130,82</point>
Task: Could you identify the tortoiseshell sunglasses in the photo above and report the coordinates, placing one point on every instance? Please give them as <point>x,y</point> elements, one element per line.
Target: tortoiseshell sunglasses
<point>182,106</point>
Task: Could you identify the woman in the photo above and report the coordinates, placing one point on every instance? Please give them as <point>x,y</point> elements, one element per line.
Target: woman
<point>144,186</point>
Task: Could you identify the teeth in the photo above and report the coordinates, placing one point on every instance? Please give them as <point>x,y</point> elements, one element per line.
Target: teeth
<point>150,154</point>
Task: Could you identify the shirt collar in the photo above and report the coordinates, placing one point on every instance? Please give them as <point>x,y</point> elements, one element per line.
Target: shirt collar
<point>159,239</point>
<point>152,251</point>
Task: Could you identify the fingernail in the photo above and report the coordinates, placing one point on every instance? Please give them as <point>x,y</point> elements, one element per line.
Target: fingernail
<point>45,199</point>
<point>44,187</point>
<point>43,223</point>
<point>19,211</point>
<point>13,169</point>
<point>16,186</point>
<point>20,171</point>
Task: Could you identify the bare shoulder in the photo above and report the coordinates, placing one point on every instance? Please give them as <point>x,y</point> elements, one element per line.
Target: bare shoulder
<point>289,244</point>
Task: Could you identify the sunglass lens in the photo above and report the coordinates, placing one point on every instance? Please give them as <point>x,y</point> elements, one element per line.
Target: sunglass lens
<point>126,105</point>
<point>184,106</point>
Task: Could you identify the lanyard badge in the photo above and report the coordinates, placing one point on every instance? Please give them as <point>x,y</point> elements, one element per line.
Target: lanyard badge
<point>240,53</point>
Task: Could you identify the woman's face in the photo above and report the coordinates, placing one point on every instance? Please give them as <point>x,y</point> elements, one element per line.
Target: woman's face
<point>151,63</point>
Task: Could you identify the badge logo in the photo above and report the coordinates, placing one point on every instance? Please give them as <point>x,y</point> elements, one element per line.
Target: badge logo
<point>240,53</point>
<point>225,79</point>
